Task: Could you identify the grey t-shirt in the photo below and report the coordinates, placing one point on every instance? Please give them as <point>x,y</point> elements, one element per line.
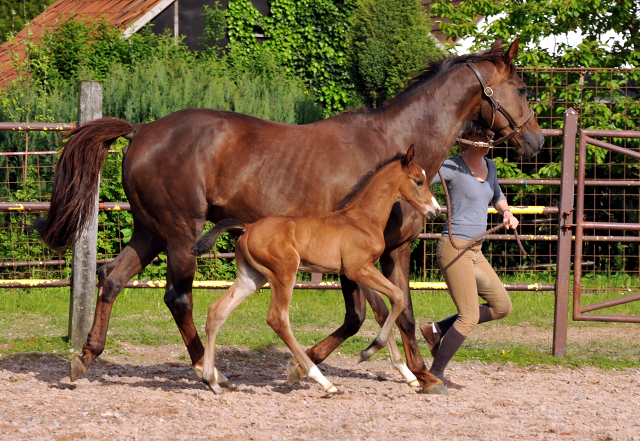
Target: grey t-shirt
<point>469,197</point>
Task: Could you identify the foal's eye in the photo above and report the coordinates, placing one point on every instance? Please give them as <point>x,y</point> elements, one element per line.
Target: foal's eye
<point>523,91</point>
<point>419,183</point>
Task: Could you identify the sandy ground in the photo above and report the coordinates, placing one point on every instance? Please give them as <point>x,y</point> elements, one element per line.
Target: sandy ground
<point>145,396</point>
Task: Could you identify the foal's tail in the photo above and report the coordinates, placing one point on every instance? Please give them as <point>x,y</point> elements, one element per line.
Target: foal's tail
<point>76,179</point>
<point>206,242</point>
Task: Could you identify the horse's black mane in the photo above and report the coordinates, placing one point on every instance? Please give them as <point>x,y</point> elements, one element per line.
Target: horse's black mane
<point>363,181</point>
<point>436,69</point>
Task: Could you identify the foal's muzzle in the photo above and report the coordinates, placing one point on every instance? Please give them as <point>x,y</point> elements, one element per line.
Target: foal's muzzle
<point>433,210</point>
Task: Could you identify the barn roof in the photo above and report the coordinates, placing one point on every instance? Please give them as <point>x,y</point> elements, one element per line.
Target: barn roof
<point>128,15</point>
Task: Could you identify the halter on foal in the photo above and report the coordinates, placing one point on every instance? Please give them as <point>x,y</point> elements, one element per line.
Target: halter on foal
<point>349,242</point>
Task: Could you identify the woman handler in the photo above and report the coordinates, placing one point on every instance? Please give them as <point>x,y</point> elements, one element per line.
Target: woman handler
<point>472,181</point>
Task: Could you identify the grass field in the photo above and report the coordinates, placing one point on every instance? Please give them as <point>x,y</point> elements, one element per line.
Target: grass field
<point>36,320</point>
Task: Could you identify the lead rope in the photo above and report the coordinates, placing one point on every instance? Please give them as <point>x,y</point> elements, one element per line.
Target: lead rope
<point>475,240</point>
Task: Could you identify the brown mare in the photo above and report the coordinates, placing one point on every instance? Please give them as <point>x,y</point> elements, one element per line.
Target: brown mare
<point>348,242</point>
<point>197,165</point>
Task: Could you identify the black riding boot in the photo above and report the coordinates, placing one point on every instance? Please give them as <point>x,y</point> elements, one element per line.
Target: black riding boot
<point>449,345</point>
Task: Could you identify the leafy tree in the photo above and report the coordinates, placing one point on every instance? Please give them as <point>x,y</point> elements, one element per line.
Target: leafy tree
<point>90,48</point>
<point>215,30</point>
<point>14,15</point>
<point>389,40</point>
<point>533,20</point>
<point>308,38</point>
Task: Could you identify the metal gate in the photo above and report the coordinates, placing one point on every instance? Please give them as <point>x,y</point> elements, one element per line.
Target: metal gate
<point>573,223</point>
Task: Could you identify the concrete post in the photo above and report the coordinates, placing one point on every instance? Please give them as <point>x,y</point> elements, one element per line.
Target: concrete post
<point>83,270</point>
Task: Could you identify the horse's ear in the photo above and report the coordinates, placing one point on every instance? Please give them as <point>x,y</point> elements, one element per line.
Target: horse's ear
<point>408,157</point>
<point>512,52</point>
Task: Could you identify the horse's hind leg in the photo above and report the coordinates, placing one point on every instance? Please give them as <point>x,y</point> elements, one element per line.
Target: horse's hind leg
<point>249,281</point>
<point>355,312</point>
<point>112,277</point>
<point>381,312</point>
<point>181,269</point>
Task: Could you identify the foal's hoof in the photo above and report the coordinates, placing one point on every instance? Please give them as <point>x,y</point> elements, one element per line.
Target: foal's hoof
<point>332,390</point>
<point>414,383</point>
<point>295,372</point>
<point>221,379</point>
<point>198,370</point>
<point>76,367</point>
<point>363,356</point>
<point>215,388</point>
<point>436,389</point>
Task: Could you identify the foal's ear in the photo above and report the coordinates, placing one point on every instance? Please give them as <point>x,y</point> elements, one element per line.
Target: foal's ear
<point>408,157</point>
<point>512,52</point>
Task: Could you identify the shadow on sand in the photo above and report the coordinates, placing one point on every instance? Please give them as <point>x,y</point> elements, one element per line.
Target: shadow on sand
<point>259,368</point>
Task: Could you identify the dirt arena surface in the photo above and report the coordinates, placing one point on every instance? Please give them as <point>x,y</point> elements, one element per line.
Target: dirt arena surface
<point>142,396</point>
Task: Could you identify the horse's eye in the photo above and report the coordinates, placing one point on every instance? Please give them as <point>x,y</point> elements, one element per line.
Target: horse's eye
<point>523,91</point>
<point>419,183</point>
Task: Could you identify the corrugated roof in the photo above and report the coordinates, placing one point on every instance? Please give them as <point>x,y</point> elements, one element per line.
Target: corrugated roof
<point>121,13</point>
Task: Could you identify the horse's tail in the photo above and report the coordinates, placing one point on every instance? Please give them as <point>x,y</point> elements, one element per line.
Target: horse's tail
<point>206,242</point>
<point>76,180</point>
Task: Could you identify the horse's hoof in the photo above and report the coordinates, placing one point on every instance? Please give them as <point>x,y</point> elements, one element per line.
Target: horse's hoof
<point>198,370</point>
<point>414,383</point>
<point>436,389</point>
<point>294,372</point>
<point>332,390</point>
<point>76,367</point>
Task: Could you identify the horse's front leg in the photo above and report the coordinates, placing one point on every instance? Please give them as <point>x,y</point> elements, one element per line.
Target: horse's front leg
<point>395,266</point>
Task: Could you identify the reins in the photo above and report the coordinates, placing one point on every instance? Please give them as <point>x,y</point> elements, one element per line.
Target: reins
<point>476,239</point>
<point>495,106</point>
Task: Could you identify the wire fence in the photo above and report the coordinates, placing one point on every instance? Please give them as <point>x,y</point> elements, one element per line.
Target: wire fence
<point>603,98</point>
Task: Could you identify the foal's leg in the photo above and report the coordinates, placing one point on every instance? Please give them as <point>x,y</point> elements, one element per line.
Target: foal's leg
<point>282,281</point>
<point>112,277</point>
<point>395,266</point>
<point>249,281</point>
<point>377,304</point>
<point>369,276</point>
<point>355,312</point>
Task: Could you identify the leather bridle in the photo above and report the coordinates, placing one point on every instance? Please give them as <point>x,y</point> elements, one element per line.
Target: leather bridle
<point>495,107</point>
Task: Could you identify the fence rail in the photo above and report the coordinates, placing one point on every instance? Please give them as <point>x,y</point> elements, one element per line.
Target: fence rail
<point>547,218</point>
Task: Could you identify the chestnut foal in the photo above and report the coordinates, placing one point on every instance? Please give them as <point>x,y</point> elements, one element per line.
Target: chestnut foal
<point>348,241</point>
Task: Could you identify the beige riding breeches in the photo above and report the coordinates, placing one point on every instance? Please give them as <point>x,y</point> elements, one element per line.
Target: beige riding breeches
<point>469,275</point>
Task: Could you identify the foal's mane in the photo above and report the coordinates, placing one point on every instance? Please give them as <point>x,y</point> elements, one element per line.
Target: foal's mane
<point>436,69</point>
<point>363,181</point>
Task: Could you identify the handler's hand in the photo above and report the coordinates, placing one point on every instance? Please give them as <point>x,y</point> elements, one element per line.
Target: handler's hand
<point>513,221</point>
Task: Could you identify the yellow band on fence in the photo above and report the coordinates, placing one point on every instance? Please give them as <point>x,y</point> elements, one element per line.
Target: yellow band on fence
<point>219,284</point>
<point>530,209</point>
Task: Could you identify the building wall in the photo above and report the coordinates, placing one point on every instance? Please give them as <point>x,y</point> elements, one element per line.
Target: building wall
<point>190,20</point>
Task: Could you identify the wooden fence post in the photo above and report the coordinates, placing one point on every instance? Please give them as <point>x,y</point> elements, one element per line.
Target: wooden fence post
<point>83,269</point>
